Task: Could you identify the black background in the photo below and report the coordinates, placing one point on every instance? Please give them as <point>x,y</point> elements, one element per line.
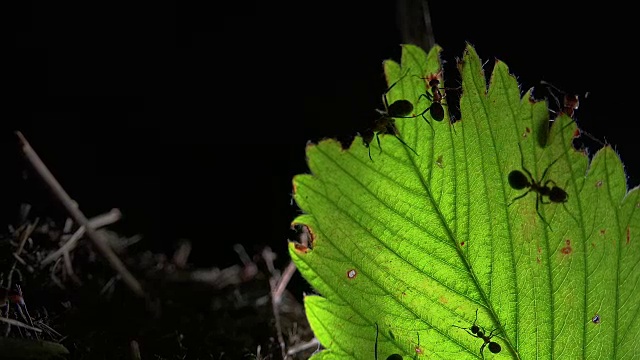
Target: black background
<point>193,119</point>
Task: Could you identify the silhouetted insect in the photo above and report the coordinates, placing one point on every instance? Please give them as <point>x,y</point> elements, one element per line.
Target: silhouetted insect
<point>479,332</point>
<point>519,181</point>
<point>385,124</point>
<point>570,104</point>
<point>435,109</point>
<point>596,319</point>
<point>375,349</point>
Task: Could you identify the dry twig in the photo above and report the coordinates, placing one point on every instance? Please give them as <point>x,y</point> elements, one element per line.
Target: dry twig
<point>268,257</point>
<point>97,238</point>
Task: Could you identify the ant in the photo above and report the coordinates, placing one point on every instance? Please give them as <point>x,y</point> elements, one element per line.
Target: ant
<point>435,109</point>
<point>375,349</point>
<point>570,104</point>
<point>519,181</point>
<point>479,332</point>
<point>385,124</point>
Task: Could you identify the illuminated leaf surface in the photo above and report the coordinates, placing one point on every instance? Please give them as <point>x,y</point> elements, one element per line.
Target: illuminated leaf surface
<point>418,243</point>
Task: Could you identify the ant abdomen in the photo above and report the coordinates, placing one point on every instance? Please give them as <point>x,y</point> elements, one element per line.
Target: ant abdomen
<point>494,347</point>
<point>518,180</point>
<point>400,108</point>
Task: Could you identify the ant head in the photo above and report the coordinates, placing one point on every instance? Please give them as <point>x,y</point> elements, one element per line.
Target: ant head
<point>558,195</point>
<point>367,137</point>
<point>394,357</point>
<point>518,180</point>
<point>434,83</point>
<point>476,329</point>
<point>571,101</point>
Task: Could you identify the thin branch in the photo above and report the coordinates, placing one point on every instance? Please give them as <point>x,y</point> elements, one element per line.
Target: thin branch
<point>19,323</point>
<point>302,347</point>
<point>284,281</point>
<point>268,257</point>
<point>95,222</point>
<point>98,240</point>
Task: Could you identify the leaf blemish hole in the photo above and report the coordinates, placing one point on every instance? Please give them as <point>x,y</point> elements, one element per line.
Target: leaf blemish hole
<point>351,274</point>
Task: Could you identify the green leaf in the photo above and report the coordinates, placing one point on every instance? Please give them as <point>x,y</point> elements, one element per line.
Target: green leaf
<point>416,243</point>
<point>31,349</point>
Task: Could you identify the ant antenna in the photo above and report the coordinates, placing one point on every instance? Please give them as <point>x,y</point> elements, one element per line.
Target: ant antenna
<point>390,357</point>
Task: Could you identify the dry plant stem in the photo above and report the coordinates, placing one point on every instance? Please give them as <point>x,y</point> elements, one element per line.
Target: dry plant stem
<point>268,257</point>
<point>276,315</point>
<point>135,350</point>
<point>284,281</point>
<point>19,324</point>
<point>96,222</point>
<point>97,239</point>
<point>54,278</point>
<point>25,235</point>
<point>302,347</point>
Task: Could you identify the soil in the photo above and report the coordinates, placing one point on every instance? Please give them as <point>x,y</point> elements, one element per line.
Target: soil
<point>186,313</point>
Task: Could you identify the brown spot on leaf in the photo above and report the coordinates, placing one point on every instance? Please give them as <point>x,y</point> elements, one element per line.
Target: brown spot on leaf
<point>439,161</point>
<point>628,234</point>
<point>602,231</point>
<point>567,249</point>
<point>598,183</point>
<point>462,243</point>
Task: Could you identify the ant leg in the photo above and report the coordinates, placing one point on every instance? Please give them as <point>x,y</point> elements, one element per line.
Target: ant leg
<point>426,95</point>
<point>378,140</point>
<point>369,148</point>
<point>405,144</point>
<point>375,346</point>
<point>548,167</point>
<point>519,197</point>
<point>482,349</point>
<point>538,200</point>
<point>384,94</point>
<point>467,330</point>
<point>522,163</point>
<point>542,200</point>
